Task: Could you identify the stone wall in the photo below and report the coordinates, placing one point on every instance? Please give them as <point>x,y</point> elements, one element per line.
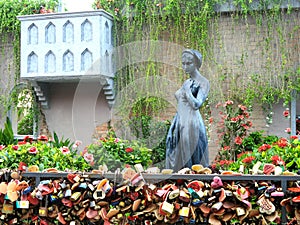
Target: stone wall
<point>7,69</point>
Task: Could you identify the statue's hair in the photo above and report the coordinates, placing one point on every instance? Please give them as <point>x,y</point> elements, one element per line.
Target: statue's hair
<point>197,56</point>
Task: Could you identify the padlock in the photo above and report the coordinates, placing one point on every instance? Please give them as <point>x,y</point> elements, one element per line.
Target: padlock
<point>8,207</point>
<point>23,203</point>
<point>75,196</point>
<point>43,210</point>
<point>68,193</point>
<point>167,207</point>
<point>184,211</point>
<point>76,178</point>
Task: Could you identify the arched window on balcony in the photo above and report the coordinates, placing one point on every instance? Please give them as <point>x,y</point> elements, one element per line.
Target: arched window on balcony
<point>68,61</point>
<point>107,64</point>
<point>107,33</point>
<point>86,60</point>
<point>68,32</point>
<point>86,31</point>
<point>50,62</point>
<point>32,63</point>
<point>50,33</point>
<point>32,34</point>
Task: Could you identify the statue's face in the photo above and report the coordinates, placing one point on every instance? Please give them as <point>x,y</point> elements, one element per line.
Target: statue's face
<point>188,64</point>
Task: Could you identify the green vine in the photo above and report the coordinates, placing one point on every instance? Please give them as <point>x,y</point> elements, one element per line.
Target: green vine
<point>193,24</point>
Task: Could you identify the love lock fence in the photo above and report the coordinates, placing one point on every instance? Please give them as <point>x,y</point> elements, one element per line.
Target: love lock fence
<point>108,198</point>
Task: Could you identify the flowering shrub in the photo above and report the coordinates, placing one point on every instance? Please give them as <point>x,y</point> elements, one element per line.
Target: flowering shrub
<point>116,153</point>
<point>43,154</point>
<point>270,150</point>
<point>232,128</point>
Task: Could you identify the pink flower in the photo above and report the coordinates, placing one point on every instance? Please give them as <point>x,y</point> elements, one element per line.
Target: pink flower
<point>117,140</point>
<point>77,143</point>
<point>287,130</point>
<point>2,147</point>
<point>85,151</point>
<point>33,150</point>
<point>88,157</point>
<point>229,102</point>
<point>242,107</point>
<point>65,150</point>
<point>218,105</point>
<point>15,147</point>
<point>238,140</point>
<point>226,148</point>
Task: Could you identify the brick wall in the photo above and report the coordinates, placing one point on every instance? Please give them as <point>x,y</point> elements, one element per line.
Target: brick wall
<point>237,52</point>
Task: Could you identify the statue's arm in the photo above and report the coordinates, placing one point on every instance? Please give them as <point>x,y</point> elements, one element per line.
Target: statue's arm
<point>201,96</point>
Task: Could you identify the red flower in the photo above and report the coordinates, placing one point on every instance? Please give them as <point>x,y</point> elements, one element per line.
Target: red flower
<point>15,147</point>
<point>286,113</point>
<point>2,147</point>
<point>238,140</point>
<point>43,138</point>
<point>33,150</point>
<point>22,142</point>
<point>248,159</point>
<point>234,119</point>
<point>225,162</point>
<point>243,153</point>
<point>277,160</point>
<point>249,123</point>
<point>282,142</point>
<point>264,147</point>
<point>246,127</point>
<point>27,139</point>
<point>246,114</point>
<point>294,137</point>
<point>226,148</point>
<point>128,150</point>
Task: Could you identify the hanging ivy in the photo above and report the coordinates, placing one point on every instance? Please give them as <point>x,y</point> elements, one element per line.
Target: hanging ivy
<point>195,24</point>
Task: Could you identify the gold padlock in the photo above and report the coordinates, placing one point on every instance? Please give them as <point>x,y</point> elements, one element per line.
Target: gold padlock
<point>7,208</point>
<point>75,196</point>
<point>43,211</point>
<point>184,211</point>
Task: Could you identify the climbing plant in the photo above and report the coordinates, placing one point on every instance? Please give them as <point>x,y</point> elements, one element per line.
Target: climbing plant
<point>10,29</point>
<point>260,68</point>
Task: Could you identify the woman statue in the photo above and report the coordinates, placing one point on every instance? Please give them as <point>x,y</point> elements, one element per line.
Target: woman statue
<point>186,140</point>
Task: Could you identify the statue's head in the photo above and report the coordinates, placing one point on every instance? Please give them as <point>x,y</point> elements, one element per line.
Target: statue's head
<point>197,57</point>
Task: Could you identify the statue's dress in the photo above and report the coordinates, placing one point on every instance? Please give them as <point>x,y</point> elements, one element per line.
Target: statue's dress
<point>187,140</point>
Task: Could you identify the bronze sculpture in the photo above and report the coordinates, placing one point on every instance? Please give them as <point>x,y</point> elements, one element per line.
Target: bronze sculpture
<point>187,142</point>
